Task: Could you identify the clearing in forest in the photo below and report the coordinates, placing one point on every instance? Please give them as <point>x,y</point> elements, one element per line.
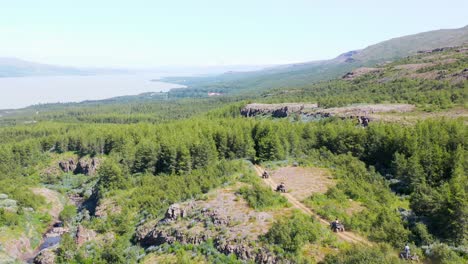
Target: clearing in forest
<point>303,184</point>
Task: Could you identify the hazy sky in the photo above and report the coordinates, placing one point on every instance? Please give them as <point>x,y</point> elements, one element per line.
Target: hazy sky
<point>209,32</point>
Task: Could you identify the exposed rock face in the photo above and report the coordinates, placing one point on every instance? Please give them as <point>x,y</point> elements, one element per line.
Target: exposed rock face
<point>84,235</point>
<point>175,211</point>
<point>461,76</point>
<point>275,110</point>
<point>46,256</point>
<point>87,166</point>
<point>173,228</point>
<point>68,165</point>
<point>359,72</point>
<point>159,237</point>
<point>436,50</point>
<point>246,252</point>
<point>217,218</point>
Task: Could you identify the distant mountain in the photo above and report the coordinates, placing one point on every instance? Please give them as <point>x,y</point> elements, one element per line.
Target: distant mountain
<point>301,74</point>
<point>14,67</point>
<point>403,46</point>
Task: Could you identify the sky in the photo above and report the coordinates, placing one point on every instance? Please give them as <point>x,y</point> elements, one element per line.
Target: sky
<point>137,33</point>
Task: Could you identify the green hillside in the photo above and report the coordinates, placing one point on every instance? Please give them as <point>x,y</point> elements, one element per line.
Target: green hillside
<point>437,79</point>
<point>410,45</point>
<point>306,73</point>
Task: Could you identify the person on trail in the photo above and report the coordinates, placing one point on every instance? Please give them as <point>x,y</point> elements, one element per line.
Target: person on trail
<point>281,187</point>
<point>334,224</point>
<point>407,251</point>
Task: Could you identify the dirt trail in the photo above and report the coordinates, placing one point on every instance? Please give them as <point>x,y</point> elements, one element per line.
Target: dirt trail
<point>52,198</point>
<point>346,236</point>
<point>56,206</point>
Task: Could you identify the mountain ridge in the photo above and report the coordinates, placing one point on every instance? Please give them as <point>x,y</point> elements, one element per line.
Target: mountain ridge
<point>299,74</point>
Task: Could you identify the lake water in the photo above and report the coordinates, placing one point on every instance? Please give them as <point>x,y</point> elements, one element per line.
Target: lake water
<point>24,91</point>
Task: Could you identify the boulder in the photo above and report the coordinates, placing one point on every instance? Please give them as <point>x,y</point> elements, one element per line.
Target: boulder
<point>175,211</point>
<point>46,256</point>
<point>6,203</point>
<point>3,196</point>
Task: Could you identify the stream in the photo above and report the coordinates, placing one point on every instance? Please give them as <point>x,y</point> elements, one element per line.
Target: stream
<point>54,234</point>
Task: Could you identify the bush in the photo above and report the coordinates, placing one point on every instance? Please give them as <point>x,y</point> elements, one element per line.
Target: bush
<point>357,254</point>
<point>68,213</point>
<point>290,234</point>
<point>262,197</point>
<point>441,253</point>
<point>8,218</point>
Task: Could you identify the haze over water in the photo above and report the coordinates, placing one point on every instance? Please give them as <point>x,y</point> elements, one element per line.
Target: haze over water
<point>20,92</point>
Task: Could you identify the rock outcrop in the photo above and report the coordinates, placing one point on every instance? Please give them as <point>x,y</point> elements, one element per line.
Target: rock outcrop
<point>85,165</point>
<point>360,72</point>
<point>191,224</point>
<point>275,110</point>
<point>175,211</point>
<point>46,256</point>
<point>68,165</point>
<point>438,50</point>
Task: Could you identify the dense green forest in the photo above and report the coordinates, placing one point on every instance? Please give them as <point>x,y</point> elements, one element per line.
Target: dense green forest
<point>145,165</point>
<point>410,179</point>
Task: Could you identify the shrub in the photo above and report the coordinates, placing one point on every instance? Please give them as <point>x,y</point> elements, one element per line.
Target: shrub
<point>68,213</point>
<point>290,234</point>
<point>262,197</point>
<point>358,254</point>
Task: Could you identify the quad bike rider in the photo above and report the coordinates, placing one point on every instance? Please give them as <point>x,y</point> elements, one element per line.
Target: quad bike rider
<point>281,188</point>
<point>265,175</point>
<point>406,254</point>
<point>336,226</point>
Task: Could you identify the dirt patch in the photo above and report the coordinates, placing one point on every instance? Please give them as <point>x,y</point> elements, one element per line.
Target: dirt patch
<point>53,200</point>
<point>366,109</point>
<point>345,236</point>
<point>413,66</point>
<point>303,182</point>
<point>276,110</point>
<point>107,206</point>
<point>413,117</point>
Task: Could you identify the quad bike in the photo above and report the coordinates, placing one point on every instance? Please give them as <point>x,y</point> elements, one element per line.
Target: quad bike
<point>337,227</point>
<point>404,256</point>
<point>281,188</point>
